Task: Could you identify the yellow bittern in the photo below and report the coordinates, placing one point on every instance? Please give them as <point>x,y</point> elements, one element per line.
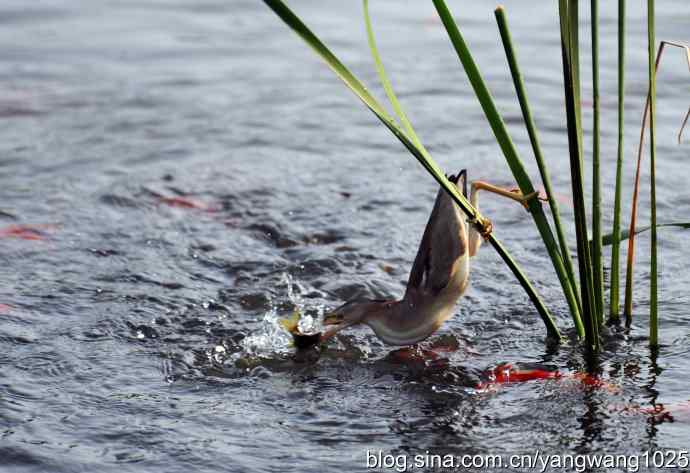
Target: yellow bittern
<point>439,276</point>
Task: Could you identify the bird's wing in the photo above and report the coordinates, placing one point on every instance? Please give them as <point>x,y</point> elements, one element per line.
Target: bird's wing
<point>443,243</point>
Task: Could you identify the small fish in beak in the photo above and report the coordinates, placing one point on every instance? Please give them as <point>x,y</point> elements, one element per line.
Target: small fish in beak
<point>301,340</point>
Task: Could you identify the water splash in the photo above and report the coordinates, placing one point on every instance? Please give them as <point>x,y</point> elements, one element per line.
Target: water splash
<point>271,339</point>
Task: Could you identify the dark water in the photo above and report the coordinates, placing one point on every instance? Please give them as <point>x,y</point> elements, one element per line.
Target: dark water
<point>139,335</point>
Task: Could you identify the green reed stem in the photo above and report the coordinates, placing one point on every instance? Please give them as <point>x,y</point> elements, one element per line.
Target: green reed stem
<point>387,87</point>
<point>636,186</point>
<point>502,21</point>
<point>653,298</point>
<point>420,153</point>
<point>597,265</point>
<point>614,304</point>
<point>568,14</point>
<point>507,147</point>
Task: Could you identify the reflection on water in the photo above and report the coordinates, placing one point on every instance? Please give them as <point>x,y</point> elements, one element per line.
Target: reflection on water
<point>177,177</point>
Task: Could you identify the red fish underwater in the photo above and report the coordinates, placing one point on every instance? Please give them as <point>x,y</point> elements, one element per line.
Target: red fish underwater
<point>26,232</point>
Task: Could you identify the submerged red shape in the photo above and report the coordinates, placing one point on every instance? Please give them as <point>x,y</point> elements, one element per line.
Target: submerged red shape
<point>594,381</point>
<point>589,380</point>
<point>26,232</point>
<point>664,411</point>
<point>5,309</point>
<point>185,203</point>
<point>181,202</point>
<point>443,349</point>
<point>506,373</point>
<point>414,355</point>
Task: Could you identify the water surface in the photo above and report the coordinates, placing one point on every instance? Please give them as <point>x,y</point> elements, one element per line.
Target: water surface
<point>139,334</point>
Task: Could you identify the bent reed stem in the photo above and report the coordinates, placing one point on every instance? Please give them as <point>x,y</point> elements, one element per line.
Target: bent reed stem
<point>420,153</point>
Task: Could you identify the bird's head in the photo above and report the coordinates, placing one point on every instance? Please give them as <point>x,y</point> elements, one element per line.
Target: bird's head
<point>353,312</point>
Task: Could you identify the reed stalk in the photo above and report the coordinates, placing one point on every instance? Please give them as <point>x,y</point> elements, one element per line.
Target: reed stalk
<point>419,152</point>
<point>568,16</point>
<point>653,297</point>
<point>597,265</point>
<point>636,187</point>
<point>614,301</point>
<point>507,147</point>
<point>518,82</point>
<point>385,82</point>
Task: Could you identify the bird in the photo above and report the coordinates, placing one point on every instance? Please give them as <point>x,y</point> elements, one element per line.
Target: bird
<point>438,278</point>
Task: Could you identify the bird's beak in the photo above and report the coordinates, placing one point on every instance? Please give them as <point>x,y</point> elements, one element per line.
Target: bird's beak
<point>334,323</point>
<point>333,318</point>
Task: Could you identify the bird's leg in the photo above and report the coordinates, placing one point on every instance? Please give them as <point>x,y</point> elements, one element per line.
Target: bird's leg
<point>513,194</point>
<point>475,236</point>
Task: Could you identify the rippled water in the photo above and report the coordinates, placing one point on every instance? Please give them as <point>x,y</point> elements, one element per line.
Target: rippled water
<point>200,174</point>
